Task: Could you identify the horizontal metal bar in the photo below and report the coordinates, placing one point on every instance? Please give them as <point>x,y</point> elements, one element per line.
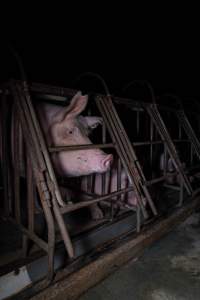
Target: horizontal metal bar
<point>156,180</point>
<point>72,207</point>
<point>173,187</point>
<point>136,144</point>
<point>79,147</point>
<point>181,141</point>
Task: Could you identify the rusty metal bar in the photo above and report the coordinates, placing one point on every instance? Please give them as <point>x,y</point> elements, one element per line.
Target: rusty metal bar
<point>54,186</point>
<point>40,181</point>
<point>79,147</point>
<point>72,207</point>
<point>39,136</point>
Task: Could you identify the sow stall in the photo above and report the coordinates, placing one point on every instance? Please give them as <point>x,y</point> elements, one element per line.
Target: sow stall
<point>136,133</point>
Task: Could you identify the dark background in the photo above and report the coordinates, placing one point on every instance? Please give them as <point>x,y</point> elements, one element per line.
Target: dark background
<point>60,58</point>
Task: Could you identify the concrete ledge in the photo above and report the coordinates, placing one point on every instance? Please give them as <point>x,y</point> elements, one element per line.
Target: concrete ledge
<point>72,286</point>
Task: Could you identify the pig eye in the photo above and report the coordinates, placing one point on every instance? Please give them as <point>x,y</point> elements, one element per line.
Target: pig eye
<point>70,132</point>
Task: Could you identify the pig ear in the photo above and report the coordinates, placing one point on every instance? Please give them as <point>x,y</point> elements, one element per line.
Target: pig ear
<point>77,105</point>
<point>92,122</point>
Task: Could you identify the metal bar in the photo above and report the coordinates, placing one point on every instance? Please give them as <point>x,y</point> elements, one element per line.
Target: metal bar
<point>79,147</point>
<point>5,159</point>
<point>172,187</point>
<point>189,131</point>
<point>30,134</point>
<point>136,144</point>
<point>133,104</point>
<point>72,207</point>
<point>40,181</point>
<point>151,139</point>
<point>56,196</point>
<point>103,176</point>
<point>42,244</point>
<point>31,196</point>
<point>119,172</point>
<point>134,161</point>
<point>16,168</point>
<point>156,117</point>
<point>156,180</point>
<point>41,140</point>
<point>116,139</point>
<point>116,133</point>
<point>44,197</point>
<point>60,221</point>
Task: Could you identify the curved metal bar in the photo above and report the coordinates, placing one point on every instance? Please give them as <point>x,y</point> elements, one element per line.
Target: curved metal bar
<point>95,75</point>
<point>144,82</point>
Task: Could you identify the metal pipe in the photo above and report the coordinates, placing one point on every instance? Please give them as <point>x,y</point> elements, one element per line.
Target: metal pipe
<point>79,147</point>
<point>72,207</point>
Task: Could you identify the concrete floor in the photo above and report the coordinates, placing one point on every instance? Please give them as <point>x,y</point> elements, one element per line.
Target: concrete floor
<point>169,270</point>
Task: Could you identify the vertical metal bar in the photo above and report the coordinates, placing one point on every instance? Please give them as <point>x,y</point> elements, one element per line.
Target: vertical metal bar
<point>160,125</point>
<point>103,176</point>
<point>5,159</point>
<point>165,159</point>
<point>30,194</point>
<point>43,146</point>
<point>138,214</point>
<point>40,181</point>
<point>119,171</point>
<point>151,139</point>
<point>134,161</point>
<point>181,193</point>
<point>16,167</point>
<point>44,197</point>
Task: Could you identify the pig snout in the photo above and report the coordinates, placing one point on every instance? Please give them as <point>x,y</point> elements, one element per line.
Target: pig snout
<point>107,162</point>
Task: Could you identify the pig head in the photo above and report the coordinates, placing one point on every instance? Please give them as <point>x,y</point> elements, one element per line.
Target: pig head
<point>63,126</point>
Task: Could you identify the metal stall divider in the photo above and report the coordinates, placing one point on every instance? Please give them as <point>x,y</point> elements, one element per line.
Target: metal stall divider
<point>40,171</point>
<point>154,113</point>
<point>39,160</point>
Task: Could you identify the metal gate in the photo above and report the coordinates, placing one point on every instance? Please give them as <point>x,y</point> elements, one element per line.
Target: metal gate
<point>41,177</point>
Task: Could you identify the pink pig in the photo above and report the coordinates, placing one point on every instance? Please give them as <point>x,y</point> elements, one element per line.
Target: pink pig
<point>62,126</point>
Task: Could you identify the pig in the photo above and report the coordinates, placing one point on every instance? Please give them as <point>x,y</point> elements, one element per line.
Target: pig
<point>128,199</point>
<point>125,201</point>
<point>171,170</point>
<point>63,126</point>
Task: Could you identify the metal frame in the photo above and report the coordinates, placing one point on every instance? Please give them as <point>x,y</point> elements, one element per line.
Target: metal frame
<point>41,175</point>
